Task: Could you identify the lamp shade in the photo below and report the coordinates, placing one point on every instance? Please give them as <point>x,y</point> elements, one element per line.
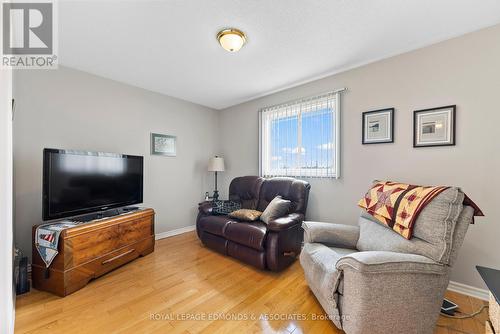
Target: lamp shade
<point>216,164</point>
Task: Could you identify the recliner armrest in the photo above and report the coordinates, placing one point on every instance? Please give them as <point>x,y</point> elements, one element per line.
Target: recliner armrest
<point>339,235</point>
<point>390,262</point>
<point>285,222</point>
<point>205,208</point>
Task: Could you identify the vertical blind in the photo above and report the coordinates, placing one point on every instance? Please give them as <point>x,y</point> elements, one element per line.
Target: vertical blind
<point>301,138</point>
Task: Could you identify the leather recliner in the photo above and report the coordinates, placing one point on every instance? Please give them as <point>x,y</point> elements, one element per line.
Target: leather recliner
<point>272,246</point>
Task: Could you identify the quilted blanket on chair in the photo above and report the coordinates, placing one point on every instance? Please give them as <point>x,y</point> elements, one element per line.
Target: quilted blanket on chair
<point>397,205</point>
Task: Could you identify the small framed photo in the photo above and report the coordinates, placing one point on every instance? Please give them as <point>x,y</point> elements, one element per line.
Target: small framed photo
<point>434,127</point>
<point>163,145</point>
<point>378,126</point>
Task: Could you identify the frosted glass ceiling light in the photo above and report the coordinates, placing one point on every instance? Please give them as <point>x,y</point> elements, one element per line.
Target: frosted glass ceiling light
<point>232,39</point>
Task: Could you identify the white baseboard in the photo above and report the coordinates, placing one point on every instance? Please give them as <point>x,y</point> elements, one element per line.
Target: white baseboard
<point>171,233</point>
<point>468,290</point>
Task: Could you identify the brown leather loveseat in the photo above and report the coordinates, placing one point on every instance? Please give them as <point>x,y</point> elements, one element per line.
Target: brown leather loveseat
<point>272,246</point>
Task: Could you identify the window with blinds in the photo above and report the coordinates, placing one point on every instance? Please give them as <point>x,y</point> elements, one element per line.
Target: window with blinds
<point>301,138</point>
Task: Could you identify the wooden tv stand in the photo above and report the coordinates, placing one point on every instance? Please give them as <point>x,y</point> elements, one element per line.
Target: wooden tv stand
<point>93,249</point>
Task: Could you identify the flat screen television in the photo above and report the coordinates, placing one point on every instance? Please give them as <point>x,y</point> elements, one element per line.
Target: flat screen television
<point>77,182</point>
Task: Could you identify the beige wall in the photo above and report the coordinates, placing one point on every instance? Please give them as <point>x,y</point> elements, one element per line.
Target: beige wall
<point>70,109</point>
<point>464,71</point>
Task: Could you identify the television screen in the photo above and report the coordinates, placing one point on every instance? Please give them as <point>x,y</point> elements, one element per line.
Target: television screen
<point>76,182</point>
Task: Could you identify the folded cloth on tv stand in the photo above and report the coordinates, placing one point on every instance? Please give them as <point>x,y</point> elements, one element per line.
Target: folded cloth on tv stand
<point>47,239</point>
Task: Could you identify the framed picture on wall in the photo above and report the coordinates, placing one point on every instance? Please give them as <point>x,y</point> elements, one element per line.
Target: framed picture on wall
<point>163,145</point>
<point>434,127</point>
<point>378,126</point>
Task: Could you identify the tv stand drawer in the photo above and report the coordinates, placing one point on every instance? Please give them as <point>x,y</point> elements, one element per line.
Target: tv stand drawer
<point>121,256</point>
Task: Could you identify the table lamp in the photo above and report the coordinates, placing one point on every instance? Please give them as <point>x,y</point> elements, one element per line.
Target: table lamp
<point>216,164</point>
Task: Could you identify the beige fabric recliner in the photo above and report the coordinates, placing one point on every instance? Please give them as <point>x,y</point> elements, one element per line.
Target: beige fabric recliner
<point>369,279</point>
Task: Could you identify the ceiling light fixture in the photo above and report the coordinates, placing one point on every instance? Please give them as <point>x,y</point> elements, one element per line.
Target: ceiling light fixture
<point>232,39</point>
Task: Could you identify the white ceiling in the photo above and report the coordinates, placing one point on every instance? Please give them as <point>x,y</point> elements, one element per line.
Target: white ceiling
<point>169,46</point>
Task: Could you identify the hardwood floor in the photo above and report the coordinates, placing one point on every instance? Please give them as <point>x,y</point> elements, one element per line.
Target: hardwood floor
<point>184,279</point>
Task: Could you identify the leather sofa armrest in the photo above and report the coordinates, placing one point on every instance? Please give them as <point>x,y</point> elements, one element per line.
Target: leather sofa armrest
<point>390,262</point>
<point>337,235</point>
<point>285,222</point>
<point>205,208</point>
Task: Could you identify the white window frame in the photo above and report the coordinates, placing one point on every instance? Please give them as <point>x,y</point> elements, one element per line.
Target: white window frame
<point>301,172</point>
